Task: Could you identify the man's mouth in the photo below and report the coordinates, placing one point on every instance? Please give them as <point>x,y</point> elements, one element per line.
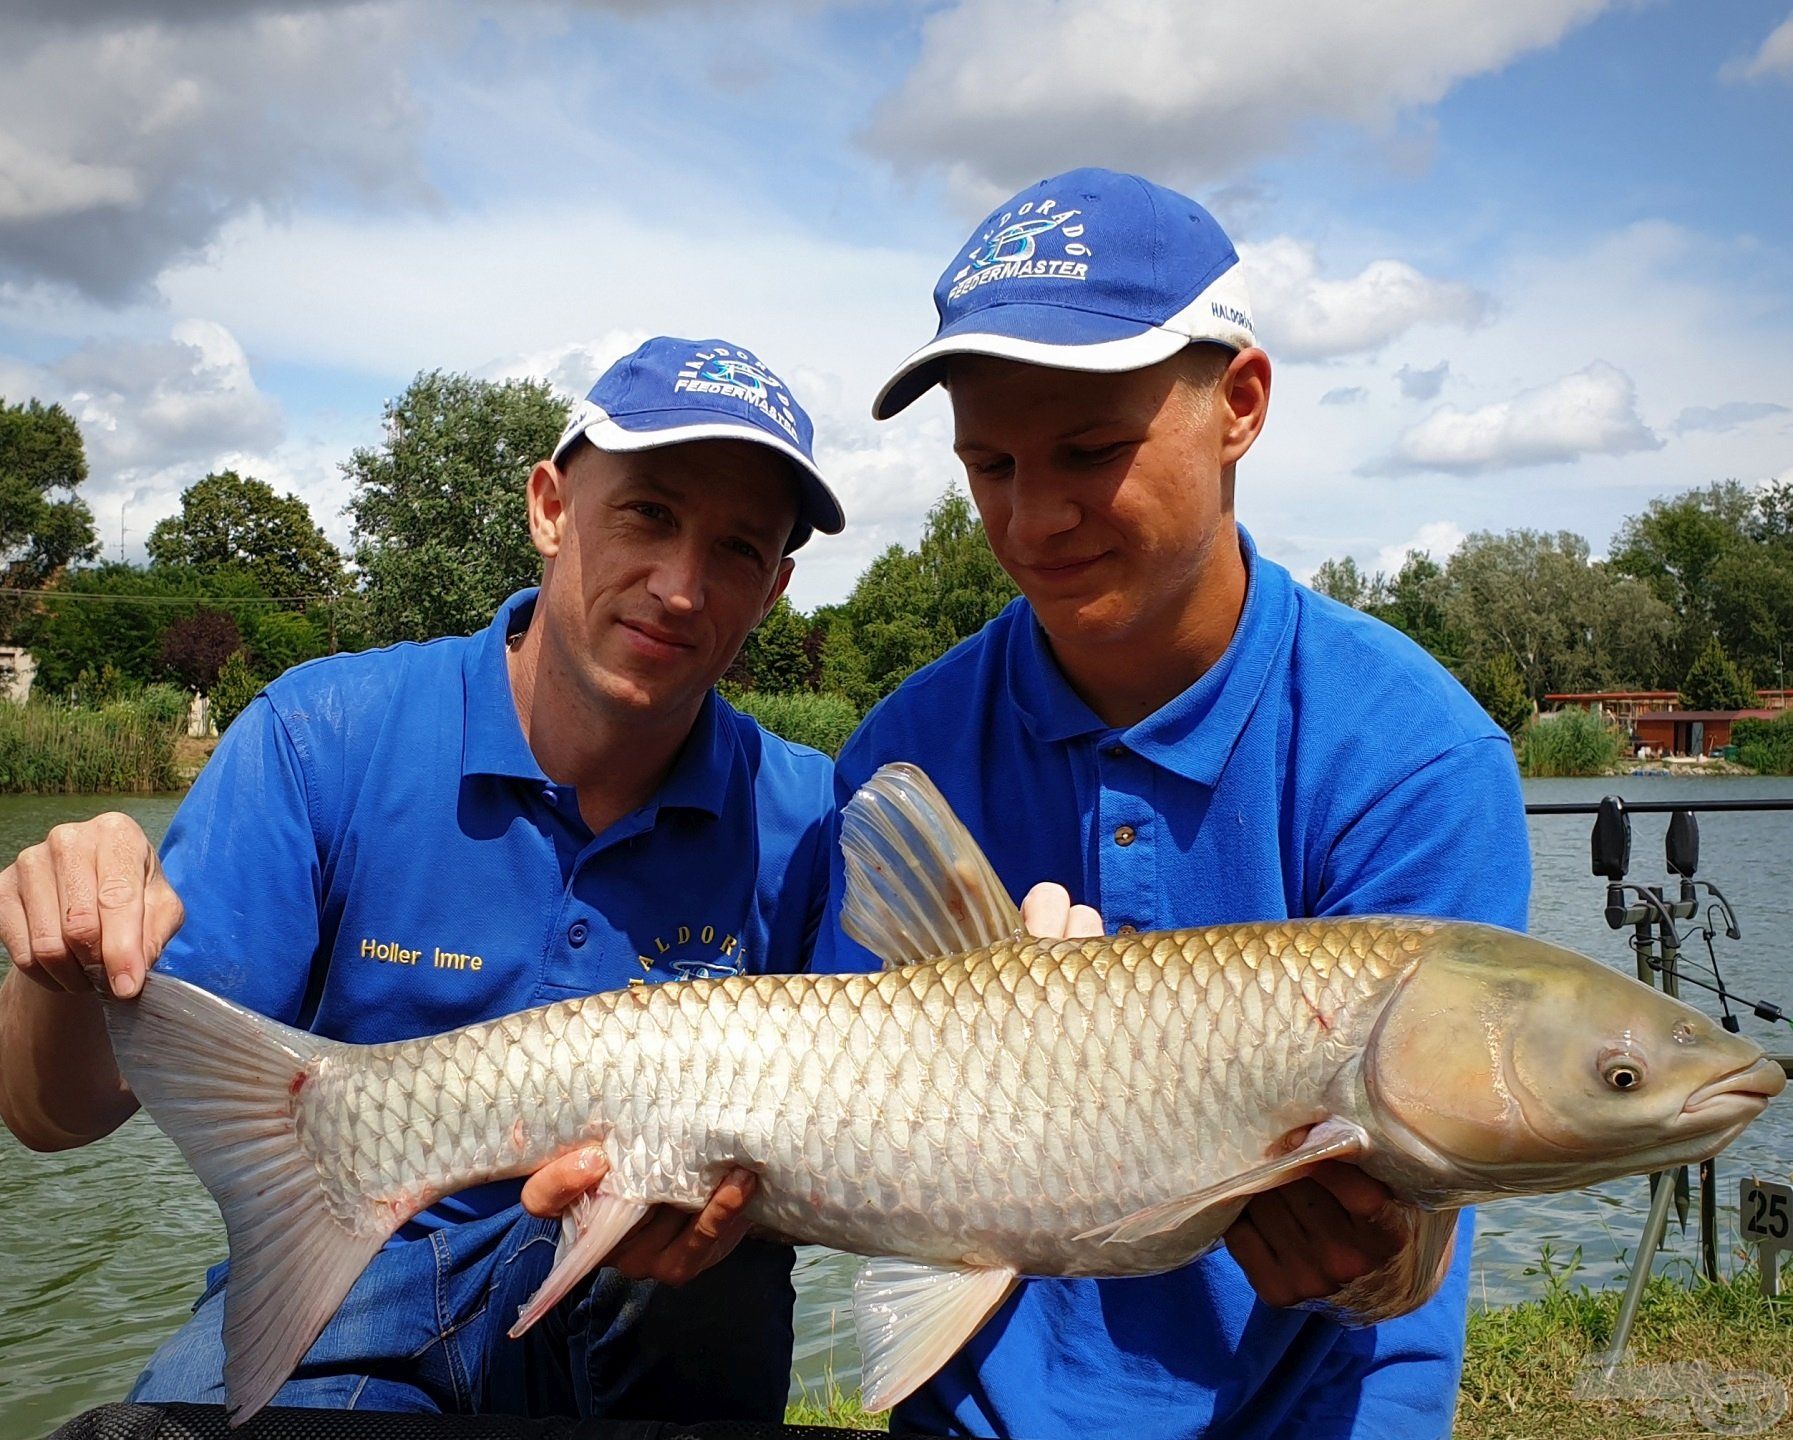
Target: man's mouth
<point>655,640</point>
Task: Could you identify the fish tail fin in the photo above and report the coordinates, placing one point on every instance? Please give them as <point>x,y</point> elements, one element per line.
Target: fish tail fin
<point>224,1084</point>
<point>918,887</point>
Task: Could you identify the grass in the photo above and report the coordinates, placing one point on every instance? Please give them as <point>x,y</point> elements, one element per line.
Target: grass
<point>1568,742</point>
<point>1522,1363</point>
<point>53,748</point>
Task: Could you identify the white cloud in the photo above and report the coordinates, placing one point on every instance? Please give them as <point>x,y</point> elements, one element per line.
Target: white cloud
<point>1005,91</point>
<point>571,367</point>
<point>1345,395</point>
<point>1438,539</point>
<point>1592,412</point>
<point>1773,61</point>
<point>1305,316</point>
<point>1732,415</point>
<point>127,140</point>
<point>1423,384</point>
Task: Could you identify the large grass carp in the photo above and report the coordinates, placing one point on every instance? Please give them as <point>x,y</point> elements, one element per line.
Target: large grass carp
<point>990,1106</point>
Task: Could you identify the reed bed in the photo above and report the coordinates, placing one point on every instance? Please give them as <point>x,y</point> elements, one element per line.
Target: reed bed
<point>54,748</point>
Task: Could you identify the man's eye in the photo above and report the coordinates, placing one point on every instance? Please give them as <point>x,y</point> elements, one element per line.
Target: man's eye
<point>743,549</point>
<point>988,469</point>
<point>1097,454</point>
<point>647,509</point>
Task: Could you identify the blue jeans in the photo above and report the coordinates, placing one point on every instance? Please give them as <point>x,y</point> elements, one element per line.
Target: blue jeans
<point>423,1329</point>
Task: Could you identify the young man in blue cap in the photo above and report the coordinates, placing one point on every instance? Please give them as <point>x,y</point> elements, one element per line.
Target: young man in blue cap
<point>1169,725</point>
<point>406,841</point>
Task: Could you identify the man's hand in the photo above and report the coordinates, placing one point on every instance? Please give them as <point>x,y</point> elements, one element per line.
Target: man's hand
<point>669,1245</point>
<point>1304,1240</point>
<point>89,894</point>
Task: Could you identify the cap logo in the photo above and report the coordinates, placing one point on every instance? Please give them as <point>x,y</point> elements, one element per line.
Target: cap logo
<point>1010,249</point>
<point>739,376</point>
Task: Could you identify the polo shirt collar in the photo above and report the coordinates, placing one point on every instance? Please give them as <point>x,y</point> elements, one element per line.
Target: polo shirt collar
<point>494,743</point>
<point>1195,733</point>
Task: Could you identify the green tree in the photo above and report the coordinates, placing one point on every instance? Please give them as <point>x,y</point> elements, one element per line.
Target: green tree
<point>776,658</point>
<point>1677,546</point>
<point>44,525</point>
<point>1713,683</point>
<point>1414,603</point>
<point>114,615</point>
<point>441,528</point>
<point>1566,623</point>
<point>1342,581</point>
<point>1498,689</point>
<point>281,639</point>
<point>911,606</point>
<point>237,684</point>
<point>229,521</point>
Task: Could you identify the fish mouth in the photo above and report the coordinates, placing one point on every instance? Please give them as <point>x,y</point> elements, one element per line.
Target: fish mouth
<point>1744,1090</point>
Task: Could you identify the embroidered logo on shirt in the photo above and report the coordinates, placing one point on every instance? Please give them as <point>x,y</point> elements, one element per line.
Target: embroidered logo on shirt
<point>701,952</point>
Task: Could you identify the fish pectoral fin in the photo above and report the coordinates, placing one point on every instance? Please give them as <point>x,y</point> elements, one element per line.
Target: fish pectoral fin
<point>917,887</point>
<point>1330,1140</point>
<point>912,1318</point>
<point>589,1230</point>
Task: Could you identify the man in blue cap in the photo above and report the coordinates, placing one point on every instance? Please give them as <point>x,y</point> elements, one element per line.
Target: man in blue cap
<point>405,841</point>
<point>1171,727</point>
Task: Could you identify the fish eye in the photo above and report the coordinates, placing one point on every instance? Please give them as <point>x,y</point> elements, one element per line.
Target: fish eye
<point>1622,1072</point>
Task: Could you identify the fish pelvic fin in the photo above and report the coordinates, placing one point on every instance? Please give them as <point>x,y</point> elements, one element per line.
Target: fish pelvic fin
<point>223,1083</point>
<point>1409,1279</point>
<point>917,887</point>
<point>589,1230</point>
<point>912,1318</point>
<point>1329,1140</point>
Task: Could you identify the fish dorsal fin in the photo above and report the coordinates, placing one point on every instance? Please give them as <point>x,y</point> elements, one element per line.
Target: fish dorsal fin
<point>912,1318</point>
<point>1330,1140</point>
<point>918,887</point>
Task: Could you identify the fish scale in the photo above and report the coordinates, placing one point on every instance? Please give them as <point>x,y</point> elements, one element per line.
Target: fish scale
<point>1040,1057</point>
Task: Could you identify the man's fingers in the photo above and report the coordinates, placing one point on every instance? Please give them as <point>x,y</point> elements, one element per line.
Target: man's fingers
<point>1083,923</point>
<point>561,1181</point>
<point>123,864</point>
<point>1361,1195</point>
<point>163,912</point>
<point>673,1246</point>
<point>42,904</point>
<point>1046,911</point>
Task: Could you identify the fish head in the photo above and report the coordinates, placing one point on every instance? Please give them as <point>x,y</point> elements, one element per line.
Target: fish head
<point>1506,1065</point>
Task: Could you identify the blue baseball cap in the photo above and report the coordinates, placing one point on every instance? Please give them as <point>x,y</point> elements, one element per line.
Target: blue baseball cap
<point>1090,270</point>
<point>671,391</point>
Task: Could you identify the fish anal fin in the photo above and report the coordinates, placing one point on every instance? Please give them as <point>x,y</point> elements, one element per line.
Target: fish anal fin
<point>917,885</point>
<point>1327,1141</point>
<point>589,1230</point>
<point>913,1318</point>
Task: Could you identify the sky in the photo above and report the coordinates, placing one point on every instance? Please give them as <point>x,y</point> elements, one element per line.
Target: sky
<point>1526,265</point>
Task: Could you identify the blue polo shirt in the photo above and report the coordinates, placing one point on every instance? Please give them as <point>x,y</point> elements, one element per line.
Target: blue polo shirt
<point>373,854</point>
<point>1325,765</point>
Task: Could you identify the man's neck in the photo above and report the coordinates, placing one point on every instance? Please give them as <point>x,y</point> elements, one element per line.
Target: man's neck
<point>614,760</point>
<point>1125,679</point>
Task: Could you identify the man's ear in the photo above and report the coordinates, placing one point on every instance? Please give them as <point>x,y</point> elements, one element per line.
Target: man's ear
<point>1244,392</point>
<point>785,567</point>
<point>547,507</point>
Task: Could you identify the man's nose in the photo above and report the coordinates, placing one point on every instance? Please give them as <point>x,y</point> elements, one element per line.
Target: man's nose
<point>1040,510</point>
<point>677,582</point>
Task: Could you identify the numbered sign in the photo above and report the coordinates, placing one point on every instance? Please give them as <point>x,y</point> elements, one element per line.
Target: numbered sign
<point>1765,1216</point>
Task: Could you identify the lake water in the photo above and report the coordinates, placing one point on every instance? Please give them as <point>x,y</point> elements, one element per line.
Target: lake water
<point>101,1249</point>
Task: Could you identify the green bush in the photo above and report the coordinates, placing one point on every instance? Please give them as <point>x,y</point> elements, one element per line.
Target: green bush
<point>1569,742</point>
<point>237,685</point>
<point>50,747</point>
<point>1766,746</point>
<point>821,721</point>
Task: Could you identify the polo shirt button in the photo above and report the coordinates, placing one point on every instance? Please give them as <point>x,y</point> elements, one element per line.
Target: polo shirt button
<point>551,795</point>
<point>577,933</point>
<point>1117,752</point>
<point>1123,835</point>
<point>1127,930</point>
